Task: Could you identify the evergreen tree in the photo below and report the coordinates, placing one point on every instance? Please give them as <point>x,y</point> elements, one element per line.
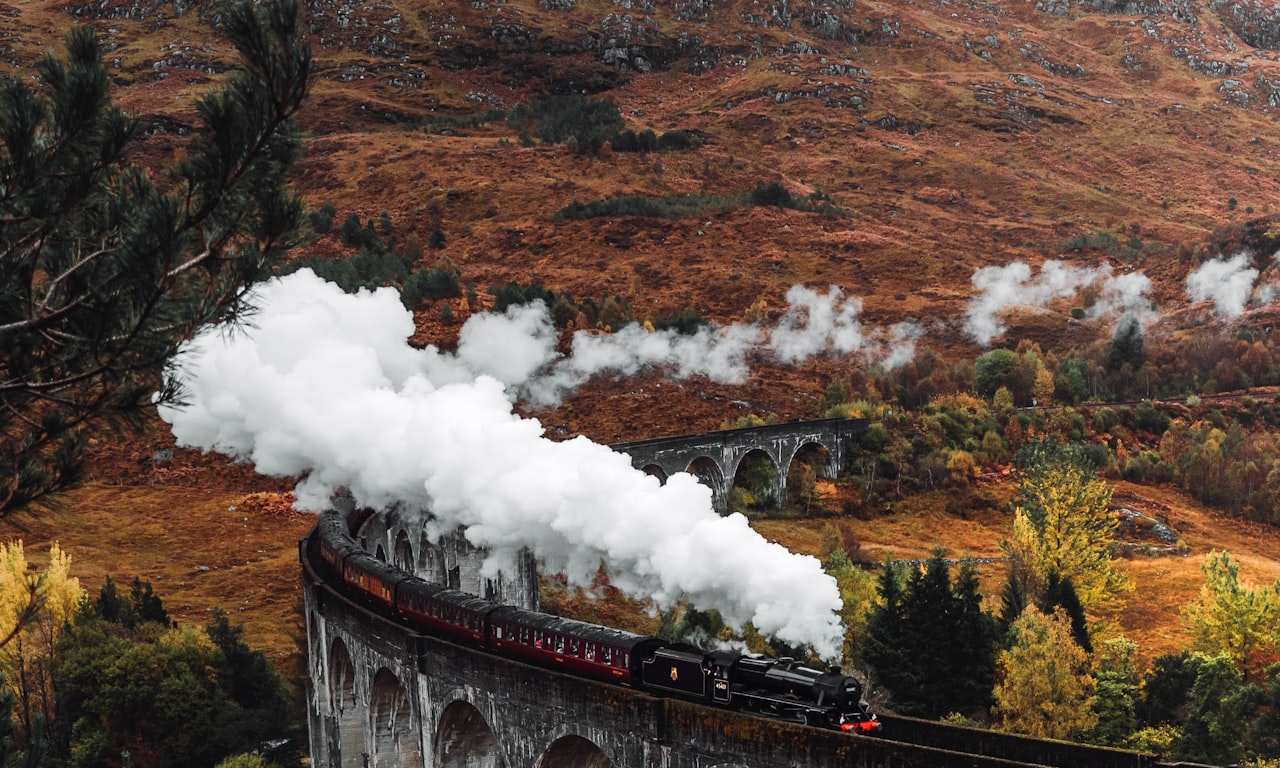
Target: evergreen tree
<point>169,695</point>
<point>1013,598</point>
<point>885,651</point>
<point>145,604</point>
<point>1166,688</point>
<point>1219,710</point>
<point>109,606</point>
<point>1264,732</point>
<point>926,607</point>
<point>103,273</point>
<point>251,682</point>
<point>931,643</point>
<point>1126,345</point>
<point>972,652</point>
<point>1059,592</point>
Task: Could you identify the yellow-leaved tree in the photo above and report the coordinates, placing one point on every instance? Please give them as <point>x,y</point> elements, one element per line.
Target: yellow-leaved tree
<point>1063,524</point>
<point>1046,687</point>
<point>1232,619</point>
<point>34,607</point>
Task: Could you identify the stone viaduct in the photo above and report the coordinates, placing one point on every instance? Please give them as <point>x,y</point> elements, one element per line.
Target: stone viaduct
<point>382,695</point>
<point>715,457</point>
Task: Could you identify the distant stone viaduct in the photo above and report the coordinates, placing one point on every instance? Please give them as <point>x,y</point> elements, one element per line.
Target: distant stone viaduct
<point>715,457</point>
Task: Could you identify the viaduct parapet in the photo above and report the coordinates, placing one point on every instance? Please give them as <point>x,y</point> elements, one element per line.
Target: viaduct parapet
<point>715,457</point>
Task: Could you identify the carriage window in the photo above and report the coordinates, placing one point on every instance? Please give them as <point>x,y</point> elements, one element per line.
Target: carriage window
<point>559,643</point>
<point>537,637</point>
<point>606,655</point>
<point>575,647</point>
<point>497,631</point>
<point>591,651</point>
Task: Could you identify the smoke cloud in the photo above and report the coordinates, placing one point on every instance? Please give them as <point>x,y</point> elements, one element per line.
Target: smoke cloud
<point>814,324</point>
<point>1228,283</point>
<point>325,384</point>
<point>1000,288</point>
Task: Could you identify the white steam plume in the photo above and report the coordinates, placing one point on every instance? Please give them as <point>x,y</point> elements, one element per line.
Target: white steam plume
<point>1227,282</point>
<point>1012,285</point>
<point>814,324</point>
<point>324,384</point>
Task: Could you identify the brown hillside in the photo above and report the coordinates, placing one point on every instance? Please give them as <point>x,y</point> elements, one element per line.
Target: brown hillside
<point>954,135</point>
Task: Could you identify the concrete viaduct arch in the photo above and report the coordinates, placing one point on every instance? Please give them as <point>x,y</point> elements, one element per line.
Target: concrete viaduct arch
<point>714,458</point>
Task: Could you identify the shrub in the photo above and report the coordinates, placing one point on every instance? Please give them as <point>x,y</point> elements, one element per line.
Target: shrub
<point>678,140</point>
<point>1147,418</point>
<point>687,321</point>
<point>772,193</point>
<point>321,219</point>
<point>441,281</point>
<point>513,293</point>
<point>587,122</point>
<point>648,141</point>
<point>668,207</point>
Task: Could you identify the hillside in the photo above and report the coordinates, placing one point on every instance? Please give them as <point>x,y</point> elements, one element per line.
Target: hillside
<point>950,135</point>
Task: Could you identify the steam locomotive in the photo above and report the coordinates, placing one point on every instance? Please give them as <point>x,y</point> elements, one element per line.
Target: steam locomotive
<point>779,688</point>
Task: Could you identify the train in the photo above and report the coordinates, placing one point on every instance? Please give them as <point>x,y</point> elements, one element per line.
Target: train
<point>777,688</point>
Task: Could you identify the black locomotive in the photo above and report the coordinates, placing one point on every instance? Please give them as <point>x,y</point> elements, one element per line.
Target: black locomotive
<point>779,688</point>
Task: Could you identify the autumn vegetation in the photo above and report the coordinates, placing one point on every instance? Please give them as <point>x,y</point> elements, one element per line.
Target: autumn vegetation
<point>675,201</point>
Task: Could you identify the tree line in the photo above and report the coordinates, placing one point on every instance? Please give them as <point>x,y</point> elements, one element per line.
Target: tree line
<point>112,680</point>
<point>1048,662</point>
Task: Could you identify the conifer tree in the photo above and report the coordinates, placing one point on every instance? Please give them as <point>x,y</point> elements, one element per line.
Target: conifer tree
<point>1059,592</point>
<point>972,652</point>
<point>884,650</point>
<point>931,643</point>
<point>1126,345</point>
<point>1166,688</point>
<point>105,271</point>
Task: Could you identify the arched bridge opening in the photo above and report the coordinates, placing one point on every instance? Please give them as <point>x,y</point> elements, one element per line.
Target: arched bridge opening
<point>574,752</point>
<point>757,484</point>
<point>394,726</point>
<point>465,740</point>
<point>349,749</point>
